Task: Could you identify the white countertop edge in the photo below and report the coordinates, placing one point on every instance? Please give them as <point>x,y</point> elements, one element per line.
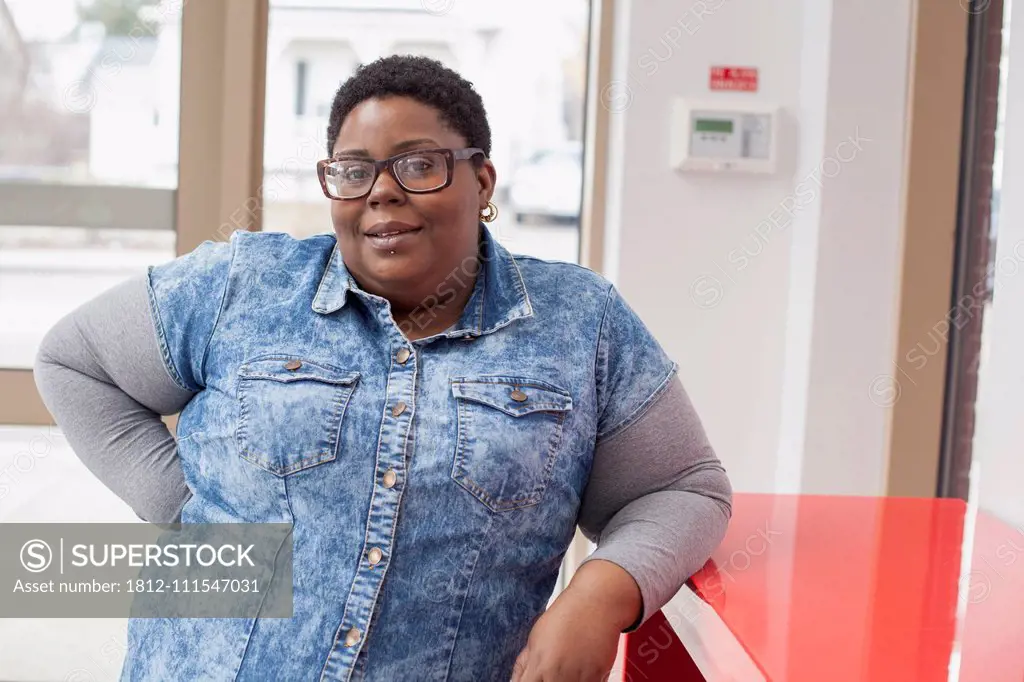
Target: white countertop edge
<point>715,650</point>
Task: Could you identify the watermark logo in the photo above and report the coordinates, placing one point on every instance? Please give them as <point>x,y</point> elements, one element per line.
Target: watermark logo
<point>975,587</point>
<point>884,390</point>
<point>80,675</point>
<point>144,570</point>
<point>79,97</point>
<point>975,6</point>
<point>706,292</point>
<point>438,7</point>
<point>36,556</point>
<point>617,96</point>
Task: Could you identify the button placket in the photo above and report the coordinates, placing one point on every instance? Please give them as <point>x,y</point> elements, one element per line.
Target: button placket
<point>384,506</point>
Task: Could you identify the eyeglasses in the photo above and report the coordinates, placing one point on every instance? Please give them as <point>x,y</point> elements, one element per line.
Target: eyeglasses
<point>418,172</point>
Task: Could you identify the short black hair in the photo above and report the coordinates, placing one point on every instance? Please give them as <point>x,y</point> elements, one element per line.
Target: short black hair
<point>426,80</point>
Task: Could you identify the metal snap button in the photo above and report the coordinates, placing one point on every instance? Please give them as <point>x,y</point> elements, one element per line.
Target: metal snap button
<point>518,396</point>
<point>398,409</point>
<point>352,637</point>
<point>292,365</point>
<point>390,478</point>
<point>375,555</point>
<point>403,355</point>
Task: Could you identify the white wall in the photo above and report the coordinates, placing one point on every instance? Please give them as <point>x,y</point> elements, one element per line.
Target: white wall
<point>779,328</point>
<point>999,434</point>
<point>853,326</point>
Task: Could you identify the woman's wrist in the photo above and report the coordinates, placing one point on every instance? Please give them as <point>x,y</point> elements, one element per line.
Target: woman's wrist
<point>608,591</point>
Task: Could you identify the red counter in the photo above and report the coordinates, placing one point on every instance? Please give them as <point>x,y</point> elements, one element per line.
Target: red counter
<point>844,589</point>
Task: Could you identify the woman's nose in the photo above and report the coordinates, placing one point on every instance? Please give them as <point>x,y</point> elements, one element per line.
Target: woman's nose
<point>385,190</point>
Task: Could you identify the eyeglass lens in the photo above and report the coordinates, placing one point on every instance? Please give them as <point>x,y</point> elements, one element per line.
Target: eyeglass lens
<point>416,172</point>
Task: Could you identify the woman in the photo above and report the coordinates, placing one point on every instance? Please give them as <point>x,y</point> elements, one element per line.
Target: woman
<point>433,415</point>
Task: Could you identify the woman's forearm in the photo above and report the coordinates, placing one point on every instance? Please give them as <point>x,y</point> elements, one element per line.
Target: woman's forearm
<point>610,591</point>
<point>101,376</point>
<point>661,540</point>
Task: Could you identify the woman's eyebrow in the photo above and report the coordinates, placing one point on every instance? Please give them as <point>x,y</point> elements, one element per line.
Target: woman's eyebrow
<point>408,144</point>
<point>400,147</point>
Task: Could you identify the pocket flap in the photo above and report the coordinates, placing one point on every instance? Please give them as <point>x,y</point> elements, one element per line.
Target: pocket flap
<point>501,393</point>
<point>285,368</point>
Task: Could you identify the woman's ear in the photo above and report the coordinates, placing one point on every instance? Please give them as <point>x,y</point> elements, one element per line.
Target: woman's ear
<point>486,177</point>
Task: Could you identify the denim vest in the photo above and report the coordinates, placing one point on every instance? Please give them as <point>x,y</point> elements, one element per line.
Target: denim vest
<point>433,485</point>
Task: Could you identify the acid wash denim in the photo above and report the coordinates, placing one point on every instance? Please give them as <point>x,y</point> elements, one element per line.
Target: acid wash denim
<point>433,485</point>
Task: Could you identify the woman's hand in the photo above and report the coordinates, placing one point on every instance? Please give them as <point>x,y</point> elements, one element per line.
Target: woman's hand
<point>567,644</point>
<point>577,638</point>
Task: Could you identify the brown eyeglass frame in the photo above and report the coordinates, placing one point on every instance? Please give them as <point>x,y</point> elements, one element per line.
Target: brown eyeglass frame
<point>450,155</point>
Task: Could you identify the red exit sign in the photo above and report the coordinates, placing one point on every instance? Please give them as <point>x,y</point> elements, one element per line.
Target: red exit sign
<point>738,78</point>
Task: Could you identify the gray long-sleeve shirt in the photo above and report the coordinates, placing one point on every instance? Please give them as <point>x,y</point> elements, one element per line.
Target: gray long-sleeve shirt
<point>657,502</point>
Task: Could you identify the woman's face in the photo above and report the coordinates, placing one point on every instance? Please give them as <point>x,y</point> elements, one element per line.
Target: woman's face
<point>445,222</point>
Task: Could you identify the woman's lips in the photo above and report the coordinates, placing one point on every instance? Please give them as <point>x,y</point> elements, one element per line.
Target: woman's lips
<point>390,239</point>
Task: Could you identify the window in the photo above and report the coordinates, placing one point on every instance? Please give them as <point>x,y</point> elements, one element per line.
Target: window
<point>534,100</point>
<point>88,156</point>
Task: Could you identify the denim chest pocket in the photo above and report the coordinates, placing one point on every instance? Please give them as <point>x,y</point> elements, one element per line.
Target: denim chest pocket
<point>290,412</point>
<point>509,432</point>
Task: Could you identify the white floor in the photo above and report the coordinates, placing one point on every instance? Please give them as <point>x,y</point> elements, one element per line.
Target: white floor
<point>41,480</point>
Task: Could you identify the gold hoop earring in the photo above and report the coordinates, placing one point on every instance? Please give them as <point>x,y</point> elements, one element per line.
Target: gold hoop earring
<point>490,213</point>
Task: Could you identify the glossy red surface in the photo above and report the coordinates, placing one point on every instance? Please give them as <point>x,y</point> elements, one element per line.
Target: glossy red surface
<point>655,653</point>
<point>993,635</point>
<point>854,588</point>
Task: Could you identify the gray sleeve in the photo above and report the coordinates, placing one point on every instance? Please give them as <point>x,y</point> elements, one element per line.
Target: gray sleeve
<point>101,375</point>
<point>658,500</point>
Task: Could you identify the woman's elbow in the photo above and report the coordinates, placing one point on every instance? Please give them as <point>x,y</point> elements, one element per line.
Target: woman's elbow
<point>722,487</point>
<point>710,480</point>
<point>45,362</point>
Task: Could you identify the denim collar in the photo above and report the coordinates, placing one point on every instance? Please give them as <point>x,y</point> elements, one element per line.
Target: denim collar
<point>499,296</point>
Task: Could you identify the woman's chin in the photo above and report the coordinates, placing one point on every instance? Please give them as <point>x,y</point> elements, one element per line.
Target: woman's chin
<point>400,268</point>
